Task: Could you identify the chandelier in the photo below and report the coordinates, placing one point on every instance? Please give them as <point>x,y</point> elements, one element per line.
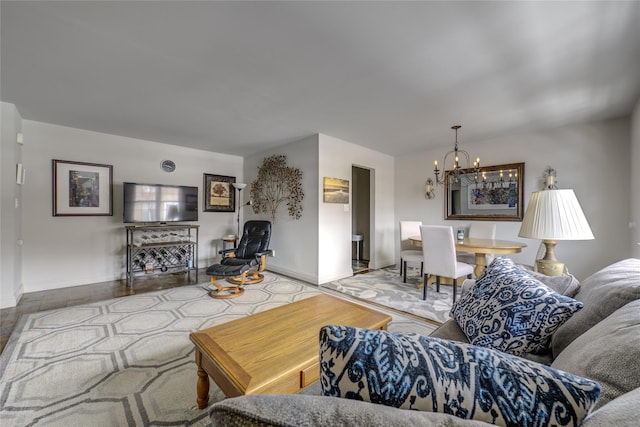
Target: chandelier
<point>457,173</point>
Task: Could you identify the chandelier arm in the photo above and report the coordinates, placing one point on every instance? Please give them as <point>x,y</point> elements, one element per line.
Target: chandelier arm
<point>471,175</point>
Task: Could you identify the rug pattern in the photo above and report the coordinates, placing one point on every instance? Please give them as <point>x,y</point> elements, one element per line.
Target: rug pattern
<point>386,287</point>
<point>127,361</point>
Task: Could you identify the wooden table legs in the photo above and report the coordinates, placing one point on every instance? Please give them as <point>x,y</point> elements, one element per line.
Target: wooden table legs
<point>203,383</point>
<point>481,264</point>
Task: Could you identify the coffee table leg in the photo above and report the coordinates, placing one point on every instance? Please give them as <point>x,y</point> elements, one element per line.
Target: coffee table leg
<point>203,383</point>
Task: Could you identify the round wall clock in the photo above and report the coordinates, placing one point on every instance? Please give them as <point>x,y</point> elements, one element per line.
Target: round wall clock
<point>168,165</point>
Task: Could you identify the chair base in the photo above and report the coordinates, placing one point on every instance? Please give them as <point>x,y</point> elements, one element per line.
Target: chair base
<point>256,277</point>
<point>226,292</point>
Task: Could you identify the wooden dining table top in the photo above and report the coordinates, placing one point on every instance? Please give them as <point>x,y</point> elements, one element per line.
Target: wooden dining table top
<point>481,246</point>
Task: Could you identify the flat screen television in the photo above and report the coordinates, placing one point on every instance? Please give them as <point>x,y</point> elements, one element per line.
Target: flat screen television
<point>159,203</point>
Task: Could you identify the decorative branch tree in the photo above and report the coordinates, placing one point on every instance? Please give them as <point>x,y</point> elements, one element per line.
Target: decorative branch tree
<point>277,183</point>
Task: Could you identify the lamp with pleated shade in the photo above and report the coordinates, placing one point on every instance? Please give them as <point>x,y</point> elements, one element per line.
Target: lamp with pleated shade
<point>554,215</point>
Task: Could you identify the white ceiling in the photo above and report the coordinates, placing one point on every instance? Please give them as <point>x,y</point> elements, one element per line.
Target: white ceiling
<point>242,77</point>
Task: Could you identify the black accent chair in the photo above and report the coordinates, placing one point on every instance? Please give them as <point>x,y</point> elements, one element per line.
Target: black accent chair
<point>248,259</point>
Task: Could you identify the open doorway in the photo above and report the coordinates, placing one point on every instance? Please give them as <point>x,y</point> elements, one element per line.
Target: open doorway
<point>361,218</point>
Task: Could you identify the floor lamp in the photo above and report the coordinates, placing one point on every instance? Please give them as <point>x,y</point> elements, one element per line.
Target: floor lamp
<point>554,215</point>
<point>238,186</point>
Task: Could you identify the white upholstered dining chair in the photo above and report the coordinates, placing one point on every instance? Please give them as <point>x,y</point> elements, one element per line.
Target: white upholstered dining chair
<point>478,230</point>
<point>439,253</point>
<point>408,252</point>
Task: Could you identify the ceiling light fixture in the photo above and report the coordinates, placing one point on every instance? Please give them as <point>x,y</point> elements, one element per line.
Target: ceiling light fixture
<point>457,172</point>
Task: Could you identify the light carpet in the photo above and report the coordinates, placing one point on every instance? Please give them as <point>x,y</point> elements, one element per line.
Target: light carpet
<point>386,287</point>
<point>128,361</point>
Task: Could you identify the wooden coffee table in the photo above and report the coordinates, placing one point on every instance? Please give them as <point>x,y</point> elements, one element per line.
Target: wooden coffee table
<point>275,351</point>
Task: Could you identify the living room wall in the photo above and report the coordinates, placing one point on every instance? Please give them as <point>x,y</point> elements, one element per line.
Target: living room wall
<point>295,241</point>
<point>593,159</point>
<point>10,207</point>
<point>634,160</point>
<point>336,158</point>
<point>317,247</point>
<point>67,251</point>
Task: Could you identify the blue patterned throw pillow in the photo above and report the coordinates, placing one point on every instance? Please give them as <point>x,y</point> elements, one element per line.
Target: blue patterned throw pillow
<point>511,311</point>
<point>416,372</point>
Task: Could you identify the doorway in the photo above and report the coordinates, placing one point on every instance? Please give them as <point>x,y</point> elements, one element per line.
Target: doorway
<point>360,218</point>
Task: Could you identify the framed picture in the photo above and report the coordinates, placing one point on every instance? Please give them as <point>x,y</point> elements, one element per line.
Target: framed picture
<point>335,190</point>
<point>219,194</point>
<point>82,189</point>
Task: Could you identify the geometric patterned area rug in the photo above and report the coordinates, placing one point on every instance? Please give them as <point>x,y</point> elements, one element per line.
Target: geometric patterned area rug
<point>128,361</point>
<point>385,287</point>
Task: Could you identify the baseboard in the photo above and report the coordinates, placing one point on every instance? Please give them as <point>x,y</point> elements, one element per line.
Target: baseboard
<point>294,274</point>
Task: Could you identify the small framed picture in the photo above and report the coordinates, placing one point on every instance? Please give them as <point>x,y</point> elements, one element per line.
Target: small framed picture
<point>336,190</point>
<point>82,189</point>
<point>219,194</point>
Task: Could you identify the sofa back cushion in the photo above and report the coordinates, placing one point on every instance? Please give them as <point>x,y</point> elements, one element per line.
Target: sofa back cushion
<point>422,373</point>
<point>602,293</point>
<point>608,353</point>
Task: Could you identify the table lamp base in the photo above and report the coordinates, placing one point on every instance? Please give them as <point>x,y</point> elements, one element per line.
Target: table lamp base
<point>549,265</point>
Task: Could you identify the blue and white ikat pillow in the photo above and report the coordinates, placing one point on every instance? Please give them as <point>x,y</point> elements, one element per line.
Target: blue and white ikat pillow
<point>422,373</point>
<point>509,310</point>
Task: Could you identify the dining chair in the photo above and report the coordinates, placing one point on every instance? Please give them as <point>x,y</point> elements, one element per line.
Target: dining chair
<point>478,230</point>
<point>439,253</point>
<point>408,252</point>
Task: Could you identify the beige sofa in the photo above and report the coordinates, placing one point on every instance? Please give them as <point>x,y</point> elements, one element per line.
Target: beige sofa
<point>600,342</point>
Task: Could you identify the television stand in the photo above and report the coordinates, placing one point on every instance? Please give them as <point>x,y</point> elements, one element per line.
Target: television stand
<point>161,249</point>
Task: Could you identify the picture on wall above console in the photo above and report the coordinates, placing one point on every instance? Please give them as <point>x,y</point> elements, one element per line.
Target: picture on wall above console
<point>219,194</point>
<point>82,189</point>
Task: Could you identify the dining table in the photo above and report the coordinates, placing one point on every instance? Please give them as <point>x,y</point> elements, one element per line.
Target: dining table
<point>481,247</point>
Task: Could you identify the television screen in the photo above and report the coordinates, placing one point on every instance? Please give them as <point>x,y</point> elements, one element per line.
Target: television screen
<point>159,203</point>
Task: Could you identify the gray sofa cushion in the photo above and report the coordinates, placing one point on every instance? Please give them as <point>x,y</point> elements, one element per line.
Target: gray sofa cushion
<point>566,285</point>
<point>306,411</point>
<point>608,353</point>
<point>602,294</point>
<point>450,330</point>
<point>623,411</point>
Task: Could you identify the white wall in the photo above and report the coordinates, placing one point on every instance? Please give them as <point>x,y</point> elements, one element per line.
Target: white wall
<point>589,158</point>
<point>295,241</point>
<point>10,214</point>
<point>336,157</point>
<point>67,251</point>
<point>317,247</point>
<point>634,160</point>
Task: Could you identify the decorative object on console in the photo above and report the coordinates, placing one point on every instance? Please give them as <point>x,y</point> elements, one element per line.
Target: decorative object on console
<point>429,192</point>
<point>82,189</point>
<point>277,183</point>
<point>554,215</point>
<point>218,195</point>
<point>458,173</point>
<point>411,371</point>
<point>239,186</point>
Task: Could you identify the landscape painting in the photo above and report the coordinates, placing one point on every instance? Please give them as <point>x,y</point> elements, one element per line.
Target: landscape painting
<point>336,190</point>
